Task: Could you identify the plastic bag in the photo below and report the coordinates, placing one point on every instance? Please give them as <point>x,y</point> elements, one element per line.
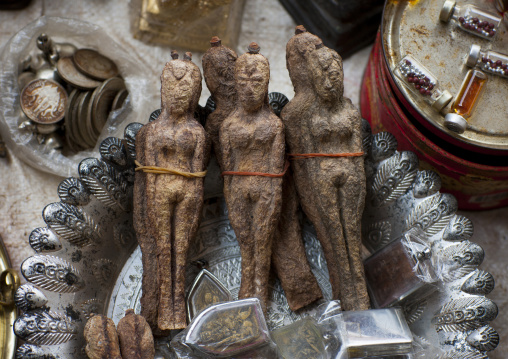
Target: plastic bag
<point>142,92</point>
<point>233,329</point>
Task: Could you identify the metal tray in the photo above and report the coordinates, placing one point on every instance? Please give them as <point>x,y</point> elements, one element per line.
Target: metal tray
<point>413,27</point>
<point>87,258</point>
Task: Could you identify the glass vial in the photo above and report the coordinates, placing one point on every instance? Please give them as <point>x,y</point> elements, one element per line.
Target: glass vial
<point>489,61</point>
<point>471,19</point>
<point>469,94</point>
<point>422,82</point>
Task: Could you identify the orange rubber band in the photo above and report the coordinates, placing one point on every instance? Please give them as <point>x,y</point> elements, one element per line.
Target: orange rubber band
<point>167,171</point>
<point>301,156</point>
<point>239,173</point>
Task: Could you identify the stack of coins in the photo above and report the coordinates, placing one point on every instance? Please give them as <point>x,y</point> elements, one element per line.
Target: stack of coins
<point>91,89</point>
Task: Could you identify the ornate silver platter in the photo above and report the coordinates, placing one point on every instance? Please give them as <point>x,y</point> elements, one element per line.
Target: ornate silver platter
<point>87,259</point>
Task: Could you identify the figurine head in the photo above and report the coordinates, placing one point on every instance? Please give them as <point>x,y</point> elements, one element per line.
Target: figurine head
<point>252,73</point>
<point>298,49</point>
<point>180,85</point>
<point>219,70</point>
<point>327,73</point>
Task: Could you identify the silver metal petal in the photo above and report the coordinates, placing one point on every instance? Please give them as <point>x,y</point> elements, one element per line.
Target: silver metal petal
<point>484,338</point>
<point>45,328</point>
<point>71,223</point>
<point>73,191</point>
<point>28,297</point>
<point>44,240</point>
<point>479,283</point>
<point>113,151</point>
<point>105,183</point>
<point>52,273</point>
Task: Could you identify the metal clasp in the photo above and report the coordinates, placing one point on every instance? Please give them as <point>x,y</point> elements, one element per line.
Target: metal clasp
<point>9,283</point>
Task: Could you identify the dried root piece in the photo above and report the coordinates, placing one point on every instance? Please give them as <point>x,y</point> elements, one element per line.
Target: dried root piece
<point>288,253</point>
<point>101,338</point>
<point>136,339</point>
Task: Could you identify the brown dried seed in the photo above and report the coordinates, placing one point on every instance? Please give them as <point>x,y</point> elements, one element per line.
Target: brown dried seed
<point>136,339</point>
<point>101,338</point>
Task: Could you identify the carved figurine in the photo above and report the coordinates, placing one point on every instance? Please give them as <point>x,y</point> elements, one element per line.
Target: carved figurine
<point>252,139</point>
<point>172,155</point>
<point>219,72</point>
<point>288,253</point>
<point>323,133</point>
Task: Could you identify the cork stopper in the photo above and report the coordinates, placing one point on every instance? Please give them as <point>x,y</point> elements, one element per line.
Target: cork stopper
<point>300,29</point>
<point>129,312</point>
<point>254,48</point>
<point>187,56</point>
<point>174,55</point>
<point>215,41</point>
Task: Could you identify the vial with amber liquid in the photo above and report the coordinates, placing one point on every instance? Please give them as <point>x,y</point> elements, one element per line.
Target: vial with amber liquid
<point>469,94</point>
<point>489,61</point>
<point>471,19</point>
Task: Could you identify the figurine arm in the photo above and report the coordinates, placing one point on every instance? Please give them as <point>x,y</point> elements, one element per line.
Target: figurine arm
<point>147,157</point>
<point>226,147</point>
<point>201,154</point>
<point>278,148</point>
<point>356,138</point>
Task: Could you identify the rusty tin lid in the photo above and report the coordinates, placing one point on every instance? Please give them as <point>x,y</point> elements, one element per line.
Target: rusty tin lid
<point>414,28</point>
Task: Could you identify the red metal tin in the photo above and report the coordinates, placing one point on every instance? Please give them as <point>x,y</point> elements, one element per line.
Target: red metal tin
<point>477,180</point>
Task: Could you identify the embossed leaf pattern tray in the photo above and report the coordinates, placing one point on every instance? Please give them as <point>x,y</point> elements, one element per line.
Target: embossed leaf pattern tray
<point>87,259</point>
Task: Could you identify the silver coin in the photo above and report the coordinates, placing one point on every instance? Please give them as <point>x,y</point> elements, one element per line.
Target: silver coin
<point>69,123</point>
<point>84,100</point>
<point>68,71</point>
<point>119,99</point>
<point>75,123</point>
<point>103,100</point>
<point>43,101</point>
<point>95,65</point>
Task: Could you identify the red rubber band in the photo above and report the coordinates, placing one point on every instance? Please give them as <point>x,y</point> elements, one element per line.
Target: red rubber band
<point>240,173</point>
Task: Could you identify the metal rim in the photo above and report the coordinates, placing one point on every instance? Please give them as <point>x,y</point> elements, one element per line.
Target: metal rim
<point>8,311</point>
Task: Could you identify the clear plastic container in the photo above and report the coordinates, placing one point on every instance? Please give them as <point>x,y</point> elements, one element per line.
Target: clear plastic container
<point>419,80</point>
<point>489,61</point>
<point>467,98</point>
<point>400,272</point>
<point>471,19</point>
<point>371,333</point>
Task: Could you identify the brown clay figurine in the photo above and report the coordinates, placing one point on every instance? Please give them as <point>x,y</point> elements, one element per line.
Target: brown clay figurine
<point>288,253</point>
<point>219,72</point>
<point>172,154</point>
<point>323,133</point>
<point>252,146</point>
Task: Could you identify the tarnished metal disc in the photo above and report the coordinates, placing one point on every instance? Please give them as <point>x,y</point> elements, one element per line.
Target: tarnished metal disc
<point>81,118</point>
<point>68,71</point>
<point>70,131</point>
<point>95,65</point>
<point>43,101</point>
<point>119,99</point>
<point>103,99</point>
